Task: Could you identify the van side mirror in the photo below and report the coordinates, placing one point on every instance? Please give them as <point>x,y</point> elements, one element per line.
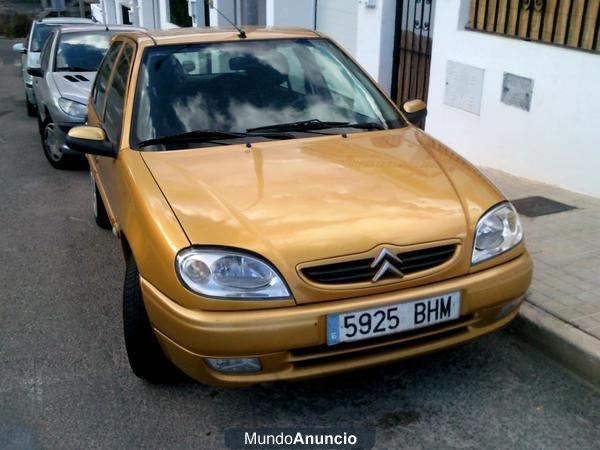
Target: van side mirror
<point>415,110</point>
<point>36,72</point>
<point>19,48</point>
<point>91,140</point>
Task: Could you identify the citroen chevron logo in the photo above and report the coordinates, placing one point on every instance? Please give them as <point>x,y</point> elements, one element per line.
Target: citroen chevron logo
<point>386,261</point>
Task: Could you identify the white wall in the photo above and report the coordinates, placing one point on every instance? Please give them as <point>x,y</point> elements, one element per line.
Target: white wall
<point>557,141</point>
<point>339,20</point>
<point>372,39</point>
<point>296,13</point>
<point>375,40</point>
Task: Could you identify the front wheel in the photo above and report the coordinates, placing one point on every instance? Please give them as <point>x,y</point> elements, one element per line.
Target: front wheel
<point>51,146</point>
<point>146,358</point>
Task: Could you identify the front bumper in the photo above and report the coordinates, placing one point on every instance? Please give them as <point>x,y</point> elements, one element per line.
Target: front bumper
<point>291,342</point>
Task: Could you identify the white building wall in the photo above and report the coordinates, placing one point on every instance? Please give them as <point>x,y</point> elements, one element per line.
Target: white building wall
<point>151,14</point>
<point>372,40</point>
<point>227,8</point>
<point>339,20</point>
<point>295,13</point>
<point>375,40</point>
<point>557,141</point>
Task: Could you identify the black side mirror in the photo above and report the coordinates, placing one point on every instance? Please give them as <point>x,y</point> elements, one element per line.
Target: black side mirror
<point>91,140</point>
<point>415,111</point>
<point>35,72</point>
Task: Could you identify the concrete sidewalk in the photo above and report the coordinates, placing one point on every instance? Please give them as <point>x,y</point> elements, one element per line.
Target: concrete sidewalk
<point>566,283</point>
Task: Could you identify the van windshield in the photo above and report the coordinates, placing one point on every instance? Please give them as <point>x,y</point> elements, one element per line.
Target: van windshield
<point>216,93</point>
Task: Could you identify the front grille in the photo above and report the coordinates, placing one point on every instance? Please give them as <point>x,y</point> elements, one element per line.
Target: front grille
<point>360,270</point>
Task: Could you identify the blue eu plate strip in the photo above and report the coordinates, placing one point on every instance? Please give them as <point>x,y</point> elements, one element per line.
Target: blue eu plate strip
<point>333,329</point>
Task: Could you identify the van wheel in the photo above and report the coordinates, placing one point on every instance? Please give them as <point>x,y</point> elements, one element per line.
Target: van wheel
<point>51,146</point>
<point>146,358</point>
<point>100,214</point>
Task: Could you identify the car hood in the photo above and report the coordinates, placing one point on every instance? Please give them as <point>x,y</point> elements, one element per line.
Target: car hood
<point>294,201</point>
<point>74,85</point>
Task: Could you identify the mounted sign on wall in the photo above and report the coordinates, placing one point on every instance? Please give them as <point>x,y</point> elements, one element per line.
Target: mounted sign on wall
<point>464,86</point>
<point>517,91</point>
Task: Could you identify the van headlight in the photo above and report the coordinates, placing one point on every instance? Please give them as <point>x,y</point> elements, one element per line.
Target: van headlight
<point>229,274</point>
<point>497,231</point>
<point>72,108</point>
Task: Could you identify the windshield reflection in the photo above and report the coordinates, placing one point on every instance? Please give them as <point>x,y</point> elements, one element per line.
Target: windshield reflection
<point>81,52</point>
<point>237,86</point>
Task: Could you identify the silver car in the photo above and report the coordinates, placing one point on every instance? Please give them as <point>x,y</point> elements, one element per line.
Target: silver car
<point>62,83</point>
<point>30,50</point>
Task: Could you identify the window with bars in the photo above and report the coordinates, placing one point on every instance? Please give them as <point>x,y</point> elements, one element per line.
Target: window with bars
<point>569,23</point>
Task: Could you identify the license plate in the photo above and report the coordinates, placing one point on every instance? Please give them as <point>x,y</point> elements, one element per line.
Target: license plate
<point>357,325</point>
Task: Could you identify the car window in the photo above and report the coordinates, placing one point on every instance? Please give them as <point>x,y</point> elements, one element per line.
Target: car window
<point>45,55</point>
<point>296,76</point>
<point>194,63</point>
<point>41,32</point>
<point>115,96</point>
<point>81,52</point>
<point>236,86</point>
<point>340,84</point>
<point>102,78</point>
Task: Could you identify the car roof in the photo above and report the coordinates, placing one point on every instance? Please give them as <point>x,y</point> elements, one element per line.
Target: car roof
<point>99,27</point>
<point>65,20</point>
<point>218,34</point>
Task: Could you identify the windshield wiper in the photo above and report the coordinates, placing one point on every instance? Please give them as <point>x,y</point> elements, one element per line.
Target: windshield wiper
<point>208,135</point>
<point>316,124</point>
<point>366,126</point>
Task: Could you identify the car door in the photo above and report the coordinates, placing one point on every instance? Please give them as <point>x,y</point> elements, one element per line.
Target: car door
<point>109,116</point>
<point>40,85</point>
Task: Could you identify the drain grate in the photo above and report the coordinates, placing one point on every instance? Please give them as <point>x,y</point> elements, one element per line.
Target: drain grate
<point>539,206</point>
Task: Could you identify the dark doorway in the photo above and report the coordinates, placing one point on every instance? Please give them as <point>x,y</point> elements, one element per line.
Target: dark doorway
<point>412,50</point>
<point>126,14</point>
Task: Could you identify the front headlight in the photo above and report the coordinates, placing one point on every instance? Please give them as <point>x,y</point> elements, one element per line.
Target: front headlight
<point>497,231</point>
<point>72,108</point>
<point>229,274</point>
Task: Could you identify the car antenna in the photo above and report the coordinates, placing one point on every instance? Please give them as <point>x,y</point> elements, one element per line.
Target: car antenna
<point>242,34</point>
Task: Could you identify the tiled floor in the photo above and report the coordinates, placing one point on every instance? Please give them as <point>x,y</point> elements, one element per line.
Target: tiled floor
<point>566,252</point>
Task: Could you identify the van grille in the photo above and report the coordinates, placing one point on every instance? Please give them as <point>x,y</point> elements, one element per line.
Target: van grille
<point>360,270</point>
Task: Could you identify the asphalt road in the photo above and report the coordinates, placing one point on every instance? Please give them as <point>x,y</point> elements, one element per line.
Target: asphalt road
<point>65,381</point>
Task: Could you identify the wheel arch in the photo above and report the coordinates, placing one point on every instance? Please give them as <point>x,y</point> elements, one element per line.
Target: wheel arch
<point>125,247</point>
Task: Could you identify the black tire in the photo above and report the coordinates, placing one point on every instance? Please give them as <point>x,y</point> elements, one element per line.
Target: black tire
<point>52,150</point>
<point>100,214</point>
<point>146,358</point>
<point>31,109</point>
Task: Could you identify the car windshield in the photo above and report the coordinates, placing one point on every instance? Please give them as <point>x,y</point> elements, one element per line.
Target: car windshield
<point>81,51</point>
<point>41,31</point>
<point>296,86</point>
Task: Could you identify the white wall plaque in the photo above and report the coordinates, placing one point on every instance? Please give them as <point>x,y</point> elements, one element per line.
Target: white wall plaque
<point>464,86</point>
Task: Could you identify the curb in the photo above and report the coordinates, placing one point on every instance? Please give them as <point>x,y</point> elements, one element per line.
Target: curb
<point>573,348</point>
